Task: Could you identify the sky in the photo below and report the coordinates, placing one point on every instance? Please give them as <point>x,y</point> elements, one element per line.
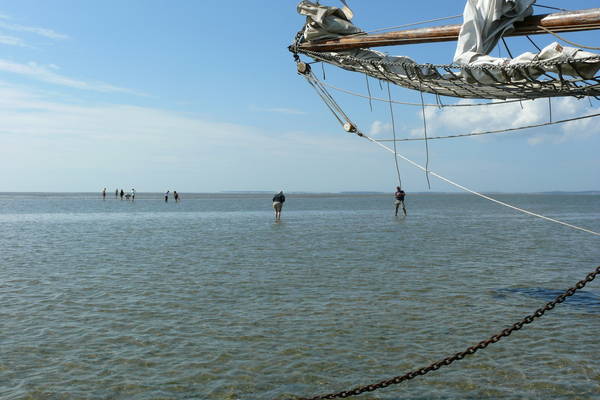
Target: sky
<point>204,97</point>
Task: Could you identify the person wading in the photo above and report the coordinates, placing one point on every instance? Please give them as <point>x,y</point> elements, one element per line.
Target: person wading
<point>399,199</point>
<point>278,201</point>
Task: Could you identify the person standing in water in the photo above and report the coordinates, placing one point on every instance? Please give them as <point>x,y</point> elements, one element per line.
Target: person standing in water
<point>132,194</point>
<point>399,196</point>
<point>167,196</point>
<point>278,201</point>
<point>104,194</point>
<point>116,193</point>
<point>176,196</point>
<point>122,193</point>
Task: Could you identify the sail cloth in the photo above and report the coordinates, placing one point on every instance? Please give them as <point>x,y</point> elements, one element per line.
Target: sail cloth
<point>326,22</point>
<point>485,22</point>
<point>564,71</point>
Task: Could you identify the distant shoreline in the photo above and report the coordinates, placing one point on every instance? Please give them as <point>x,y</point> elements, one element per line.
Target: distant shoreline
<point>354,193</point>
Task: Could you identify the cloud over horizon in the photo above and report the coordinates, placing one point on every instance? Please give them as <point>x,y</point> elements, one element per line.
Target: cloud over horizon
<point>279,110</point>
<point>47,33</point>
<point>39,133</point>
<point>46,74</point>
<point>460,120</point>
<point>12,41</point>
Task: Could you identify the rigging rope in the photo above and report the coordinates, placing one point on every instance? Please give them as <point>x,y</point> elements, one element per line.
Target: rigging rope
<point>487,81</point>
<point>492,131</point>
<point>369,91</point>
<point>352,128</point>
<point>394,131</point>
<point>567,41</point>
<point>551,8</point>
<point>481,194</point>
<point>417,104</point>
<point>412,24</point>
<point>426,142</point>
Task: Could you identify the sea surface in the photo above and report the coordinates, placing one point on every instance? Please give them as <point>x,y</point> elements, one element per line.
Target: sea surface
<point>209,298</point>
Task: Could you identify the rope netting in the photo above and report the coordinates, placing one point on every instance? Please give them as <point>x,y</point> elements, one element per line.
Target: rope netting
<point>521,81</point>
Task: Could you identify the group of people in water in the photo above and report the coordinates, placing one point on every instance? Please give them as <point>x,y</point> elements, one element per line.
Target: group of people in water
<point>131,195</point>
<point>121,193</point>
<point>175,196</point>
<point>279,199</point>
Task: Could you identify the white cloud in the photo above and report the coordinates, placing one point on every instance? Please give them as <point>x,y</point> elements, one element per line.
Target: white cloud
<point>280,110</point>
<point>35,71</point>
<point>459,120</point>
<point>378,128</point>
<point>30,115</point>
<point>154,147</point>
<point>11,41</point>
<point>48,33</point>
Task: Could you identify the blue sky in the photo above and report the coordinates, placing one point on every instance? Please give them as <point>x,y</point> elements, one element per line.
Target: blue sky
<point>204,97</point>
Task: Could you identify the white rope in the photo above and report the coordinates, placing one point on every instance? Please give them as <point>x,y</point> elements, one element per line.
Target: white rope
<point>567,41</point>
<point>505,130</point>
<point>492,103</point>
<point>394,131</point>
<point>415,23</point>
<point>480,194</point>
<point>327,97</point>
<point>362,33</point>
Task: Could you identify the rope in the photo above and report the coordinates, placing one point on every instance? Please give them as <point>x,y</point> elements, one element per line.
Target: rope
<point>533,43</point>
<point>394,131</point>
<point>469,82</point>
<point>426,142</point>
<point>369,91</point>
<point>491,132</point>
<point>332,104</point>
<point>403,26</point>
<point>481,194</point>
<point>415,23</point>
<point>416,104</point>
<point>551,8</point>
<point>567,41</point>
<point>507,48</point>
<point>404,64</point>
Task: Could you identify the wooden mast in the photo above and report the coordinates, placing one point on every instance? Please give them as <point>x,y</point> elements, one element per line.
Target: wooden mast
<point>569,21</point>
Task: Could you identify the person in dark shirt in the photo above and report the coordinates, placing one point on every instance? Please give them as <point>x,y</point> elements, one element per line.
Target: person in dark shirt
<point>399,199</point>
<point>278,201</point>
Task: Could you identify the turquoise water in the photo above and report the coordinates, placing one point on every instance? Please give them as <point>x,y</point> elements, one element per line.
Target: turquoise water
<point>210,299</point>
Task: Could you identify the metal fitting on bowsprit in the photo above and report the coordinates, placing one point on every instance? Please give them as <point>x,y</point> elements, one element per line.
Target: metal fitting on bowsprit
<point>303,68</point>
<point>349,127</point>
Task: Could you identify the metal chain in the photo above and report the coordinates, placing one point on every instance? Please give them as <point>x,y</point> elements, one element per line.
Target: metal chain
<point>459,356</point>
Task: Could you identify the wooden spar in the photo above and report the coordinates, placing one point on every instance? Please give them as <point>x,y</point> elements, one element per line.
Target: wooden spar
<point>569,21</point>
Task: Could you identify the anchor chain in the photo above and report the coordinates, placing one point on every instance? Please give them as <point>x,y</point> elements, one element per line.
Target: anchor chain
<point>459,356</point>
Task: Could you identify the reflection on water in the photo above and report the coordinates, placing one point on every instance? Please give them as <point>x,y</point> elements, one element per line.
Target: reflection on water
<point>210,299</point>
<point>584,300</point>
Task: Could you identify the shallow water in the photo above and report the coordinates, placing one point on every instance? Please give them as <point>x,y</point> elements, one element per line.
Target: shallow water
<point>210,299</point>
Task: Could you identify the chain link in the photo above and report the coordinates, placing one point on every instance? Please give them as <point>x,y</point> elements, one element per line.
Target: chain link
<point>459,356</point>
